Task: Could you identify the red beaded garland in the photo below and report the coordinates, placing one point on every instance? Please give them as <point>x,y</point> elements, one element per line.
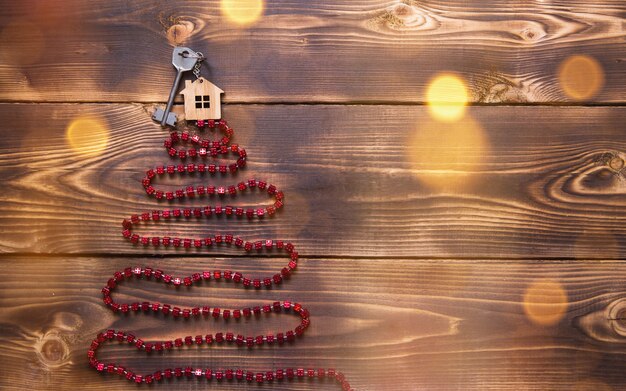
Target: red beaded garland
<point>203,149</point>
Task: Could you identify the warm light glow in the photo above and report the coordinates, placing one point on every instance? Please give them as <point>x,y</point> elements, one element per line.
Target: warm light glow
<point>87,136</point>
<point>545,302</point>
<point>242,12</point>
<point>447,97</point>
<point>446,155</point>
<point>580,77</point>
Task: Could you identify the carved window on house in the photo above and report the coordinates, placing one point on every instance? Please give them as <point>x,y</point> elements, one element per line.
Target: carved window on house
<point>203,102</point>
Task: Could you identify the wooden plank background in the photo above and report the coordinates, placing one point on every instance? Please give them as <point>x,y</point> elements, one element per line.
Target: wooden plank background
<point>420,240</point>
<point>308,51</point>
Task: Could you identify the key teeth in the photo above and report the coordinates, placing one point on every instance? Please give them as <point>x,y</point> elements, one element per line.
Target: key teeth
<point>158,116</point>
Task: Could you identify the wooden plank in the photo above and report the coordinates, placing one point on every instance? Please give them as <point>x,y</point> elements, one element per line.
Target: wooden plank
<point>359,180</point>
<point>302,51</point>
<point>388,324</point>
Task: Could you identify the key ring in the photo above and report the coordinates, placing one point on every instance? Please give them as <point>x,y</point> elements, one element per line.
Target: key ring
<point>196,68</point>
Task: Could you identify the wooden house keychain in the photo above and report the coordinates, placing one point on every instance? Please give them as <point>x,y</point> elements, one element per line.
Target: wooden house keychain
<point>202,98</point>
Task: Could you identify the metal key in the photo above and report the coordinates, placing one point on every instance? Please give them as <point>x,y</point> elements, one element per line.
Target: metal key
<point>183,59</point>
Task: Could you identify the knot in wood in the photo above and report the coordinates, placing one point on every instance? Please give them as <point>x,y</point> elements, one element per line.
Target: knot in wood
<point>531,35</point>
<point>52,350</point>
<point>401,17</point>
<point>616,163</point>
<point>179,33</point>
<point>617,316</point>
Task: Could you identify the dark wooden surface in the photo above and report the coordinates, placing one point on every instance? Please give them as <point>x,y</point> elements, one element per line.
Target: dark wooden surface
<point>425,245</point>
<point>357,182</point>
<point>303,51</point>
<point>399,324</point>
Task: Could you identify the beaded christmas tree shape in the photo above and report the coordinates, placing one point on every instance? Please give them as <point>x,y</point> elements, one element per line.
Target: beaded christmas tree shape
<point>200,158</point>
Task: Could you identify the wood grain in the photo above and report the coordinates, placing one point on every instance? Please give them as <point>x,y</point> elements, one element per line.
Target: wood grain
<point>302,51</point>
<point>483,254</point>
<point>389,324</point>
<point>542,181</point>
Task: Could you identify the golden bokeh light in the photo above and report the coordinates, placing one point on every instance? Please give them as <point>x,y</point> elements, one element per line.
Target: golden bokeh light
<point>87,136</point>
<point>545,302</point>
<point>580,77</point>
<point>242,12</point>
<point>446,155</point>
<point>447,97</point>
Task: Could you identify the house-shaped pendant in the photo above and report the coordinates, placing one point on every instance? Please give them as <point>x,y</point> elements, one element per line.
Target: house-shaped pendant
<point>202,100</point>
